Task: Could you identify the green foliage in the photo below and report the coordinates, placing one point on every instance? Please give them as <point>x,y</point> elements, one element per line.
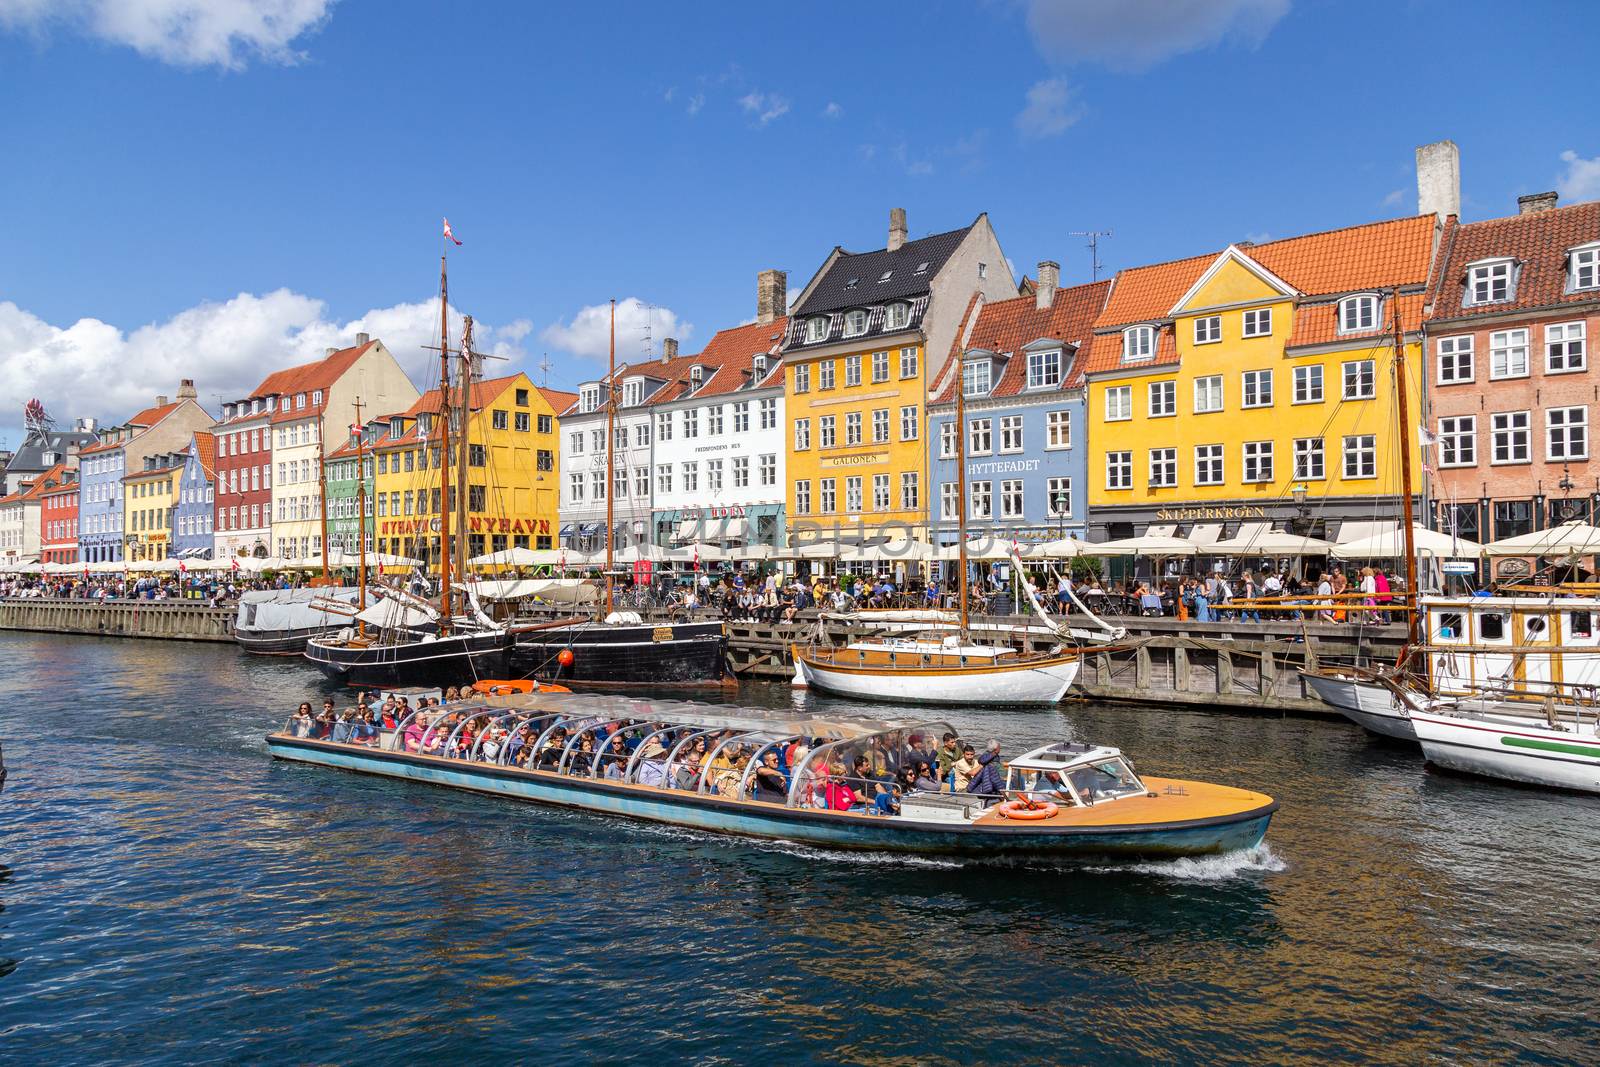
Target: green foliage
<point>1085,567</point>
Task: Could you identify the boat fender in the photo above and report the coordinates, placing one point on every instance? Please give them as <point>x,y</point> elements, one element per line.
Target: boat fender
<point>1028,810</point>
<point>565,657</point>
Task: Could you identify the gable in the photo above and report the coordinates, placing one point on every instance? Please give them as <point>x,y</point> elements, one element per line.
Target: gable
<point>1233,279</point>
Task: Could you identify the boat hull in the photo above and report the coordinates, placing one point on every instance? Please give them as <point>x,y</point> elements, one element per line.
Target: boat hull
<point>1043,683</point>
<point>602,655</point>
<point>1512,751</point>
<point>1370,705</point>
<point>774,821</point>
<point>440,662</point>
<point>276,642</point>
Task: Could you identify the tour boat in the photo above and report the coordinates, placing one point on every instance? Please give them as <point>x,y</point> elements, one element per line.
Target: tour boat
<point>630,757</point>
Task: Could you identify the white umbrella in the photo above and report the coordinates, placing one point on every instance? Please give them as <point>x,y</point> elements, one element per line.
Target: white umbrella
<point>897,549</point>
<point>1569,539</point>
<point>1270,543</point>
<point>1065,548</point>
<point>753,552</point>
<point>1148,545</point>
<point>518,557</point>
<point>980,548</point>
<point>1388,544</point>
<point>704,549</point>
<point>813,550</point>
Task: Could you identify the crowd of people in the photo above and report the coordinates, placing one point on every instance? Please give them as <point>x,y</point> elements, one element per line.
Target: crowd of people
<point>213,589</point>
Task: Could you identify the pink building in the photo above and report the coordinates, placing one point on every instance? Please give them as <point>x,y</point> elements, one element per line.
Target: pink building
<point>1512,392</point>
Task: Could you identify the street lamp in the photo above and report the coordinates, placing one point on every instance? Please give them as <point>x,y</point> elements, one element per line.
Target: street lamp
<point>1302,512</point>
<point>1061,501</point>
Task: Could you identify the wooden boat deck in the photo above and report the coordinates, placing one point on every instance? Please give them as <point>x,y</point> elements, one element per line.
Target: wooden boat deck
<point>1174,801</point>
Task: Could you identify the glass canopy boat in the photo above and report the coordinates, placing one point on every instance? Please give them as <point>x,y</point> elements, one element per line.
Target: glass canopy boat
<point>741,771</point>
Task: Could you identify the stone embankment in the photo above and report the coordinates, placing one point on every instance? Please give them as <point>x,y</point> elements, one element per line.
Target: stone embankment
<point>178,620</point>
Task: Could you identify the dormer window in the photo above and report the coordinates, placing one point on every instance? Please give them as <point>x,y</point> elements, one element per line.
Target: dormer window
<point>885,276</point>
<point>898,315</point>
<point>299,400</point>
<point>758,368</point>
<point>697,378</point>
<point>817,328</point>
<point>588,398</point>
<point>922,268</point>
<point>316,397</point>
<point>852,283</point>
<point>977,377</point>
<point>1583,268</point>
<point>227,411</point>
<point>1138,342</point>
<point>255,407</point>
<point>397,427</point>
<point>1490,282</point>
<point>632,393</point>
<point>855,323</point>
<point>1359,313</point>
<point>1044,369</point>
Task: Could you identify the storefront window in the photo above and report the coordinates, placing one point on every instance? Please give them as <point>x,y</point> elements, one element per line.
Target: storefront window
<point>1512,518</point>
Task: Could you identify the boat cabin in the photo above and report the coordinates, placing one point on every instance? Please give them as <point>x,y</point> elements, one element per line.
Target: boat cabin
<point>1072,773</point>
<point>1519,647</point>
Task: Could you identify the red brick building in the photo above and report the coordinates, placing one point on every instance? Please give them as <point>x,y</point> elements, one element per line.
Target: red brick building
<point>1512,390</point>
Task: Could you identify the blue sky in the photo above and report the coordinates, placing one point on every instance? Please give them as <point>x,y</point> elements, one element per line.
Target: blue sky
<point>226,195</point>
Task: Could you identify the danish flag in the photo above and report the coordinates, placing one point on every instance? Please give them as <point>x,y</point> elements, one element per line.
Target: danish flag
<point>233,565</point>
<point>447,232</point>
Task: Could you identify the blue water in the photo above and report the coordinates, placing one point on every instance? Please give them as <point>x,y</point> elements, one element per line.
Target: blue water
<point>172,894</point>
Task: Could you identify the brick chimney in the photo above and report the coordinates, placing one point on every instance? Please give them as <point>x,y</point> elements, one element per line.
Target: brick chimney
<point>330,350</point>
<point>186,389</point>
<point>1044,290</point>
<point>897,228</point>
<point>1439,179</point>
<point>669,349</point>
<point>772,295</point>
<point>1534,203</point>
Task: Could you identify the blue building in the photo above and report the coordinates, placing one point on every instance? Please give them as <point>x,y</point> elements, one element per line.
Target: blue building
<point>100,470</point>
<point>1026,434</point>
<point>192,522</point>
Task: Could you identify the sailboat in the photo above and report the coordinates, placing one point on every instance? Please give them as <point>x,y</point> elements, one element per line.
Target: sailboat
<point>949,669</point>
<point>620,649</point>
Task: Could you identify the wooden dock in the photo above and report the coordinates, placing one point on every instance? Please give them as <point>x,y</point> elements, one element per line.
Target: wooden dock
<point>174,620</point>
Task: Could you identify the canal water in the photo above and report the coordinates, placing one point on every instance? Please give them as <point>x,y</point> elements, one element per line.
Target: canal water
<point>171,893</point>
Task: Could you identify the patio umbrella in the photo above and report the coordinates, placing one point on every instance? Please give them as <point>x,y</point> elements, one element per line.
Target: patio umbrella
<point>1065,548</point>
<point>1270,543</point>
<point>980,548</point>
<point>1574,538</point>
<point>1388,544</point>
<point>1147,545</point>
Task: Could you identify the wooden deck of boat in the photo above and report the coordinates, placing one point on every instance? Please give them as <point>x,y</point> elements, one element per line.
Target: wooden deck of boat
<point>1186,802</point>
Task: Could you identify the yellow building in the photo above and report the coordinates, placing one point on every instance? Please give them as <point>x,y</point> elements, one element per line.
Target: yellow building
<point>866,339</point>
<point>1221,386</point>
<point>149,498</point>
<point>513,478</point>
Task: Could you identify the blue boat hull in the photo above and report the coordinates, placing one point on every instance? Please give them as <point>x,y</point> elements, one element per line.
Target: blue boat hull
<point>813,827</point>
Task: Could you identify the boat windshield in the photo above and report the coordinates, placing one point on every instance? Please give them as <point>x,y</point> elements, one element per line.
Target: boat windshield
<point>1105,779</point>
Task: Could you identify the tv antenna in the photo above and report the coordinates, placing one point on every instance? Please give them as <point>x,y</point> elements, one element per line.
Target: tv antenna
<point>545,366</point>
<point>1094,249</point>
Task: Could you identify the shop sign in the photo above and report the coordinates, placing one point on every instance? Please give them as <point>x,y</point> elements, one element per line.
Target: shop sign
<point>856,459</point>
<point>1246,511</point>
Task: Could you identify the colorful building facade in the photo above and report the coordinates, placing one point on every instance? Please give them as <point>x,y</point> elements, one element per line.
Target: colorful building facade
<point>150,507</point>
<point>58,515</point>
<point>350,489</point>
<point>193,533</point>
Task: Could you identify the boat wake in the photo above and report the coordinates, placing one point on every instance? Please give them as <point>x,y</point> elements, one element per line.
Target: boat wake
<point>1223,868</point>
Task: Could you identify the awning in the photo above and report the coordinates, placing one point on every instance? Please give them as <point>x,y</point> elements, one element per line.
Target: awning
<point>567,528</point>
<point>687,529</point>
<point>589,529</point>
<point>734,529</point>
<point>1206,534</point>
<point>1160,529</point>
<point>1357,530</point>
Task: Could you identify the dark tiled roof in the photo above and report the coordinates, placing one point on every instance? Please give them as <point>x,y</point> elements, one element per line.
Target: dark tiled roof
<point>30,454</point>
<point>877,317</point>
<point>1006,326</point>
<point>1538,242</point>
<point>834,291</point>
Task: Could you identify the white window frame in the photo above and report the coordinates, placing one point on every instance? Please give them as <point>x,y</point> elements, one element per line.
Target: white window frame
<point>1504,349</point>
<point>1044,369</point>
<point>1252,381</point>
<point>910,422</point>
<point>1205,385</point>
<point>852,428</point>
<point>852,371</point>
<point>828,495</point>
<point>1161,400</point>
<point>1364,386</point>
<point>1256,462</point>
<point>1360,446</point>
<point>817,329</point>
<point>1482,277</point>
<point>1584,259</point>
<point>1058,429</point>
<point>1304,377</point>
<point>947,439</point>
<point>976,382</point>
<point>1307,450</point>
<point>880,367</point>
<point>880,426</point>
<point>802,378</point>
<point>825,374</point>
<point>908,362</point>
<point>881,500</point>
<point>1208,330</point>
<point>1163,468</point>
<point>1572,338</point>
<point>897,315</point>
<point>1010,433</point>
<point>1138,344</point>
<point>802,435</point>
<point>1457,355</point>
<point>949,501</point>
<point>1556,425</point>
<point>1210,465</point>
<point>855,323</point>
<point>1119,403</point>
<point>1458,441</point>
<point>1119,471</point>
<point>910,490</point>
<point>980,437</point>
<point>1360,313</point>
<point>1013,499</point>
<point>802,496</point>
<point>1256,322</point>
<point>1057,488</point>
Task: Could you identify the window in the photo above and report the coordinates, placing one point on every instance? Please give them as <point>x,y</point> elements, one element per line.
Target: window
<point>1512,518</point>
<point>880,492</point>
<point>1257,388</point>
<point>1119,403</point>
<point>741,472</point>
<point>802,434</point>
<point>802,497</point>
<point>1119,470</point>
<point>1138,342</point>
<point>769,413</point>
<point>1566,434</point>
<point>980,497</point>
<point>802,378</point>
<point>588,400</point>
<point>691,477</point>
<point>769,468</point>
<point>852,494</point>
<point>1011,502</point>
<point>546,460</point>
<point>1583,268</point>
<point>947,440</point>
<point>980,437</point>
<point>817,328</point>
<point>1044,369</point>
<point>632,393</point>
<point>855,322</point>
<point>1257,461</point>
<point>1358,313</point>
<point>1564,347</point>
<point>1308,384</point>
<point>641,435</point>
<point>300,400</point>
<point>664,426</point>
<point>1059,498</point>
<point>1258,322</point>
<point>691,422</point>
<point>976,377</point>
<point>1360,380</point>
<point>713,475</point>
<point>1309,465</point>
<point>1058,429</point>
<point>825,374</point>
<point>947,501</point>
<point>908,363</point>
<point>1508,354</point>
<point>909,423</point>
<point>880,426</point>
<point>1208,394</point>
<point>825,428</point>
<point>1163,399</point>
<point>1455,360</point>
<point>619,478</point>
<point>741,417</point>
<point>577,448</point>
<point>1489,283</point>
<point>910,492</point>
<point>522,423</point>
<point>1458,441</point>
<point>852,371</point>
<point>983,271</point>
<point>1163,468</point>
<point>880,367</point>
<point>664,478</point>
<point>852,428</point>
<point>1208,330</point>
<point>898,315</point>
<point>714,420</point>
<point>1361,456</point>
<point>1011,433</point>
<point>620,438</point>
<point>1208,465</point>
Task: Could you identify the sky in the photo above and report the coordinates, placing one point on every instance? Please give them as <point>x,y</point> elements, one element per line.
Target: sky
<point>214,189</point>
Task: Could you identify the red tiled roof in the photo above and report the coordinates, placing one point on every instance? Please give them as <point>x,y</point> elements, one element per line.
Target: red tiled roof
<point>318,374</point>
<point>1145,294</point>
<point>1318,324</point>
<point>206,447</point>
<point>483,394</point>
<point>558,399</point>
<point>1005,326</point>
<point>1106,352</point>
<point>151,416</point>
<point>1538,242</point>
<point>727,359</point>
<point>40,485</point>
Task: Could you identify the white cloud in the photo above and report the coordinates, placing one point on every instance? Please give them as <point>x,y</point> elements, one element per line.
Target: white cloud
<point>1051,109</point>
<point>1135,34</point>
<point>184,33</point>
<point>764,107</point>
<point>1582,179</point>
<point>587,334</point>
<point>832,111</point>
<point>94,368</point>
<point>1395,198</point>
<point>696,102</point>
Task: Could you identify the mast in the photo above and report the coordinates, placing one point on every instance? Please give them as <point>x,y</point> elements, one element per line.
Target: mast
<point>961,484</point>
<point>464,400</point>
<point>322,484</point>
<point>361,513</point>
<point>1403,409</point>
<point>611,419</point>
<point>444,448</point>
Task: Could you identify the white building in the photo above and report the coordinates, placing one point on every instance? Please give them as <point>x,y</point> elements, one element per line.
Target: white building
<point>584,488</point>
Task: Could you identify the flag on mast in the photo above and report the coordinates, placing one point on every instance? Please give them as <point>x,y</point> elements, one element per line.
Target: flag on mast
<point>447,232</point>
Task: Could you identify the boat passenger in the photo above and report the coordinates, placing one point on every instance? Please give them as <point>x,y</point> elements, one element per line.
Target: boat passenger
<point>925,782</point>
<point>964,769</point>
<point>451,695</point>
<point>687,776</point>
<point>987,781</point>
<point>490,749</point>
<point>302,722</point>
<point>324,725</point>
<point>583,759</point>
<point>868,786</point>
<point>949,756</point>
<point>771,785</point>
<point>838,796</point>
<point>412,737</point>
<point>363,730</point>
<point>906,780</point>
<point>433,738</point>
<point>341,726</point>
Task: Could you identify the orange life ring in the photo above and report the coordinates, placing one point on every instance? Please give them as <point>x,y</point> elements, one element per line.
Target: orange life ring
<point>1029,810</point>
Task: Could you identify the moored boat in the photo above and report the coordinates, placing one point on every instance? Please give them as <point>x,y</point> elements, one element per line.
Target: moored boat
<point>1553,754</point>
<point>947,671</point>
<point>623,650</point>
<point>762,775</point>
<point>1366,697</point>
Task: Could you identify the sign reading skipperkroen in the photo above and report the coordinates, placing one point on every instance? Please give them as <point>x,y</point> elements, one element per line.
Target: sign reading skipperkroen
<point>1247,511</point>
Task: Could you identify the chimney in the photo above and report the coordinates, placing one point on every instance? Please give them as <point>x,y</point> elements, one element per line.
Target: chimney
<point>1534,203</point>
<point>1439,179</point>
<point>772,295</point>
<point>186,389</point>
<point>897,228</point>
<point>363,339</point>
<point>669,349</point>
<point>330,350</point>
<point>1044,290</point>
<point>161,400</point>
<point>87,425</point>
